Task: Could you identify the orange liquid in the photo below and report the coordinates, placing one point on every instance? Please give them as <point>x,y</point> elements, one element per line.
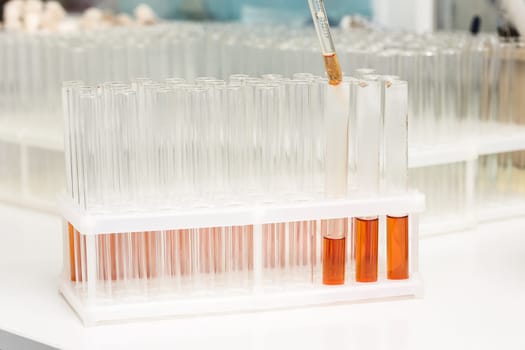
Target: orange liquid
<point>121,256</point>
<point>171,253</point>
<point>334,260</point>
<point>237,247</point>
<point>268,245</point>
<point>333,70</point>
<point>138,253</point>
<point>71,239</point>
<point>217,249</point>
<point>334,250</point>
<point>210,249</point>
<point>293,243</point>
<point>366,236</point>
<point>204,249</point>
<point>274,245</point>
<point>184,251</point>
<point>151,254</point>
<point>249,246</point>
<point>397,248</point>
<point>242,248</point>
<point>77,254</point>
<point>313,245</point>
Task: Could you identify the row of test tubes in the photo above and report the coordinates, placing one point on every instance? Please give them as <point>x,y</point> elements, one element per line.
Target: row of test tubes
<point>188,261</point>
<point>456,80</point>
<point>172,143</point>
<point>169,144</point>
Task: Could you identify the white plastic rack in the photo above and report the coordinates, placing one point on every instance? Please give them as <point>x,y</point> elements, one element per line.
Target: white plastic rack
<point>260,286</point>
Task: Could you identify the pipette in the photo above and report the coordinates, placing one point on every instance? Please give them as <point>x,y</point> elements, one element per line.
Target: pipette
<point>322,28</point>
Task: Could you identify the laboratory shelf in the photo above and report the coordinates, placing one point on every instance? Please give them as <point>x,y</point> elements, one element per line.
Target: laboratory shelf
<point>501,138</point>
<point>422,156</point>
<point>47,136</point>
<point>502,208</point>
<point>28,201</point>
<point>32,159</point>
<point>488,138</point>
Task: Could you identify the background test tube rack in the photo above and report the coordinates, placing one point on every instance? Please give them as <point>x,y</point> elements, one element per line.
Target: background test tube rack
<point>129,266</point>
<point>32,171</point>
<point>482,179</point>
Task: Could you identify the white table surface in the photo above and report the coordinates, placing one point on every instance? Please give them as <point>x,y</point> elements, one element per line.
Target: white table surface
<point>474,299</point>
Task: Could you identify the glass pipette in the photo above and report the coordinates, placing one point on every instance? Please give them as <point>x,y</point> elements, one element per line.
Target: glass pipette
<point>322,28</point>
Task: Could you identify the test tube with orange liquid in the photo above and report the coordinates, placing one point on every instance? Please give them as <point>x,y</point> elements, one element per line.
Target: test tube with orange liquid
<point>334,234</point>
<point>368,149</point>
<point>395,165</point>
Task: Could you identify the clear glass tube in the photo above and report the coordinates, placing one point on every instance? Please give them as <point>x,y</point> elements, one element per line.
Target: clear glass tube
<point>366,235</point>
<point>334,234</point>
<point>395,168</point>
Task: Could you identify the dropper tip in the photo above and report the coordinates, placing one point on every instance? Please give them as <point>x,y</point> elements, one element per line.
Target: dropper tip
<point>333,69</point>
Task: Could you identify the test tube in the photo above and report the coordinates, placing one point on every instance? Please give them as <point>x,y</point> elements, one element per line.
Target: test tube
<point>395,165</point>
<point>451,90</point>
<point>368,134</point>
<point>334,234</point>
<point>322,27</point>
<point>518,103</point>
<point>336,168</point>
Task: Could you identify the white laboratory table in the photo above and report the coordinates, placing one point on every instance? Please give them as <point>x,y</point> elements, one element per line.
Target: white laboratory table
<point>474,299</point>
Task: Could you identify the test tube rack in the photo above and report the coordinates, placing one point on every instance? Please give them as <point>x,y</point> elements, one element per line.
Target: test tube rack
<point>242,191</point>
<point>130,265</point>
<point>475,180</point>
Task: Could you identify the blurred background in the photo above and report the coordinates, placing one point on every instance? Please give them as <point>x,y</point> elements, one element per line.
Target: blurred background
<point>402,14</point>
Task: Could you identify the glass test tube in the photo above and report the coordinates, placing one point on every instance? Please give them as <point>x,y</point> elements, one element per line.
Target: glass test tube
<point>334,250</point>
<point>368,133</point>
<point>322,27</point>
<point>450,67</point>
<point>518,105</point>
<point>395,163</point>
<point>336,163</point>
